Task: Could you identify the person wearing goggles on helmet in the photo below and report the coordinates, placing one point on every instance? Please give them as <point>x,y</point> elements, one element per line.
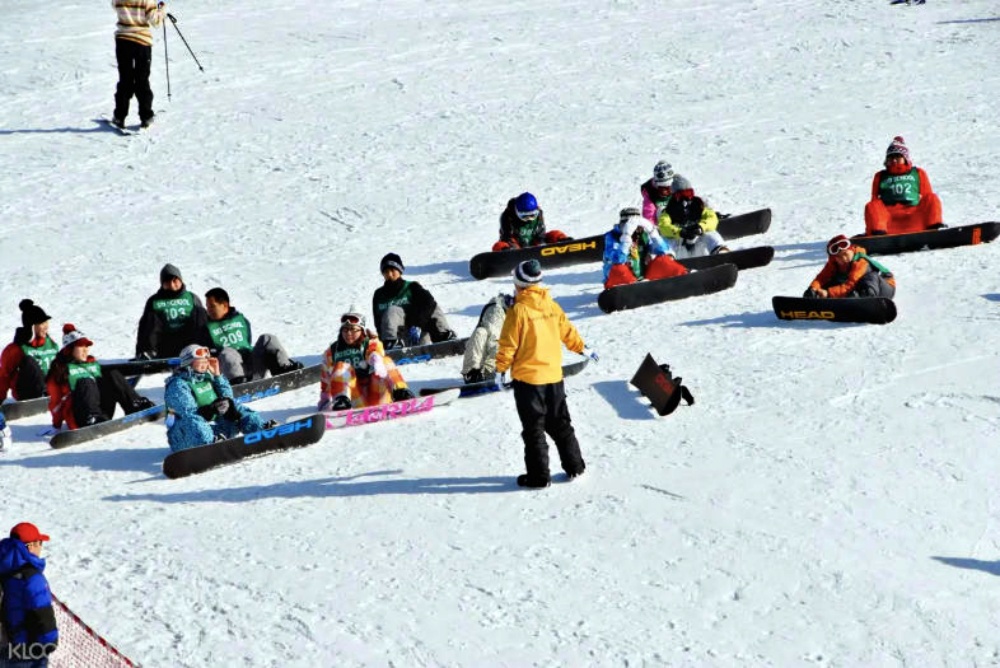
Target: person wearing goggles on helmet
<point>200,403</point>
<point>634,250</point>
<point>356,371</point>
<point>902,198</point>
<point>688,223</point>
<point>849,272</point>
<point>522,224</point>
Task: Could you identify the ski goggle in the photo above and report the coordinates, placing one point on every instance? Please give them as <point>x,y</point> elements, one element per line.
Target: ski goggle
<point>838,246</point>
<point>350,319</point>
<point>201,353</point>
<point>527,215</point>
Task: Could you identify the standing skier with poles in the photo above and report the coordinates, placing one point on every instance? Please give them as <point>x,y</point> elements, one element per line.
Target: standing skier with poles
<point>134,51</point>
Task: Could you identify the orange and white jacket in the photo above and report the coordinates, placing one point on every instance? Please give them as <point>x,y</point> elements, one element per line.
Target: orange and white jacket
<point>136,20</point>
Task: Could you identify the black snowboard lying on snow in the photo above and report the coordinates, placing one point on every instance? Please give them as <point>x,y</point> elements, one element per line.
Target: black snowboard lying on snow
<point>948,237</point>
<point>744,258</point>
<point>295,434</point>
<point>591,249</point>
<point>644,293</point>
<point>871,310</point>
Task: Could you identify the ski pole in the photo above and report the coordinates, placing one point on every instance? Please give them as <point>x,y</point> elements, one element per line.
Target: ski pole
<point>174,21</point>
<point>166,59</point>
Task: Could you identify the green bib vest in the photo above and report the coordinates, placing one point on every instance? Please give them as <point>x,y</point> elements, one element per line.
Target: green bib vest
<point>353,356</point>
<point>231,333</point>
<point>175,312</point>
<point>44,354</point>
<point>77,371</point>
<point>202,389</point>
<point>900,188</point>
<point>402,299</point>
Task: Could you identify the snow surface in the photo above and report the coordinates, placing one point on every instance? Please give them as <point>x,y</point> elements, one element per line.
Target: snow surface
<point>830,500</point>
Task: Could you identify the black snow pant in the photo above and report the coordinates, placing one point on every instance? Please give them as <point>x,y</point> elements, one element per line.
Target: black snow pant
<point>134,61</point>
<point>97,397</point>
<point>543,410</point>
<point>30,383</point>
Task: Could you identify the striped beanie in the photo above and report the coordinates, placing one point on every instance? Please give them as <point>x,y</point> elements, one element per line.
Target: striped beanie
<point>898,147</point>
<point>528,273</point>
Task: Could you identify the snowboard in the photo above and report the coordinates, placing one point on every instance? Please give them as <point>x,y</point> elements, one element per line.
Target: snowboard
<point>125,131</point>
<point>871,310</point>
<point>295,434</point>
<point>948,237</point>
<point>744,258</point>
<point>645,293</point>
<point>354,417</point>
<point>243,393</point>
<point>427,352</point>
<point>19,409</point>
<point>591,249</point>
<point>487,386</point>
<point>143,366</point>
<point>659,385</point>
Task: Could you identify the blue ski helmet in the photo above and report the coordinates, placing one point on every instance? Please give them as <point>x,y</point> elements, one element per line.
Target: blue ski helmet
<point>526,206</point>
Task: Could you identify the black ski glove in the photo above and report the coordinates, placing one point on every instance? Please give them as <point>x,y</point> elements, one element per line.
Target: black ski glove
<point>402,394</point>
<point>474,376</point>
<point>691,232</point>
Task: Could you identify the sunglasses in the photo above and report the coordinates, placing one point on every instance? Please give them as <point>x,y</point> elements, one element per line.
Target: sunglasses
<point>838,246</point>
<point>527,215</point>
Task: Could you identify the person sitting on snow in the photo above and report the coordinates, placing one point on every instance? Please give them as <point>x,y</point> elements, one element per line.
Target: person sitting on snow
<point>634,249</point>
<point>480,362</point>
<point>356,371</point>
<point>902,198</point>
<point>25,361</point>
<point>229,335</point>
<point>522,224</point>
<point>656,191</point>
<point>200,403</point>
<point>81,393</point>
<point>689,224</point>
<point>406,313</point>
<point>849,272</point>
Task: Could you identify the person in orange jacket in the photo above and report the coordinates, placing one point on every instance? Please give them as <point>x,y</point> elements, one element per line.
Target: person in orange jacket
<point>530,345</point>
<point>849,272</point>
<point>25,361</point>
<point>356,371</point>
<point>902,198</point>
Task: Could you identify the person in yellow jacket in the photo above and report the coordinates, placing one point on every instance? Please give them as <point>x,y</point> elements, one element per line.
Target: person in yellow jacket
<point>530,346</point>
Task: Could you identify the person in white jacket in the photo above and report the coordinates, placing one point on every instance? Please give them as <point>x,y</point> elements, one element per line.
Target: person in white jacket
<point>481,351</point>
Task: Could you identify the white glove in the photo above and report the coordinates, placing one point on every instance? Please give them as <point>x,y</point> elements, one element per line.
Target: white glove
<point>591,353</point>
<point>377,365</point>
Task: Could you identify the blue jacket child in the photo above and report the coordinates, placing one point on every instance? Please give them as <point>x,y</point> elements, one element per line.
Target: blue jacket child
<point>201,405</point>
<point>26,609</point>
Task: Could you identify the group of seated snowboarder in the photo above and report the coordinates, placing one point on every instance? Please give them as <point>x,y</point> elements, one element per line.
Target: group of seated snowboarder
<point>674,223</point>
<point>214,343</point>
